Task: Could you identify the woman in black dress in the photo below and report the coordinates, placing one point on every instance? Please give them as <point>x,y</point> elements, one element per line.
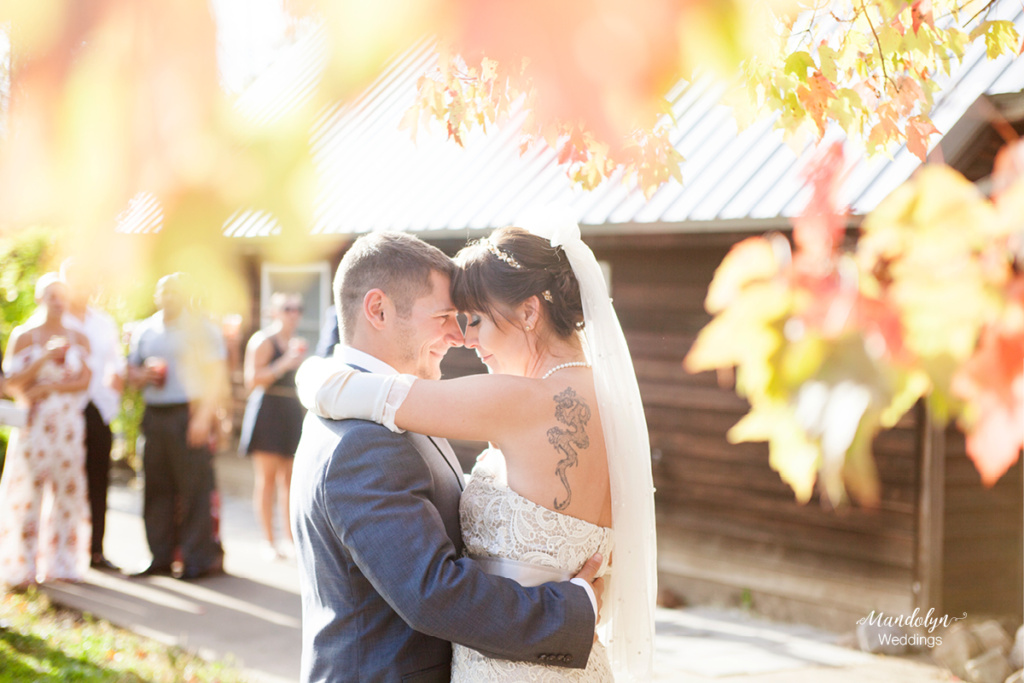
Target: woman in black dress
<point>273,416</point>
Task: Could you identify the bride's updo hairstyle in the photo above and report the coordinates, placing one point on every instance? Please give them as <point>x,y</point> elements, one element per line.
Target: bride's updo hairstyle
<point>509,267</point>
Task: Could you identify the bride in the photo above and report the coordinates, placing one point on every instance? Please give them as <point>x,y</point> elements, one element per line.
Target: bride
<point>568,471</point>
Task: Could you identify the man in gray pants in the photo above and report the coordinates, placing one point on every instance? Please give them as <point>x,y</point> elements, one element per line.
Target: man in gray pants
<point>178,358</point>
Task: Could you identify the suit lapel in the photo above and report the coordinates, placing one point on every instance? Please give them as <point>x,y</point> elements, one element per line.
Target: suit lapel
<point>442,446</point>
<point>445,449</point>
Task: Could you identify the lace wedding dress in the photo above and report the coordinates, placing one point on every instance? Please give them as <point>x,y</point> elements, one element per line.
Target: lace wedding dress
<point>499,523</point>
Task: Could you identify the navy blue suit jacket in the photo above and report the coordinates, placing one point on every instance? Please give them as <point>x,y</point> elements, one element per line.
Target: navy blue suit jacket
<point>384,586</point>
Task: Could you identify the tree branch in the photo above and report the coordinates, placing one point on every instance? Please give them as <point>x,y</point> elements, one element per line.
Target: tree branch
<point>984,9</point>
<point>878,42</point>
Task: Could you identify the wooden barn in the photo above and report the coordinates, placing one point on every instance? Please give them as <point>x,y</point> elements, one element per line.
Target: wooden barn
<point>729,530</point>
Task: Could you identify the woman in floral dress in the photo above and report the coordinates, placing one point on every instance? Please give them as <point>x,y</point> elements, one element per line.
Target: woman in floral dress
<point>44,511</point>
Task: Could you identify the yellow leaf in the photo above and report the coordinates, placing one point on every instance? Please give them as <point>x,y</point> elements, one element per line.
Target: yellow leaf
<point>757,425</point>
<point>748,261</point>
<point>956,41</point>
<point>908,390</point>
<point>888,40</point>
<point>795,457</point>
<point>743,332</point>
<point>827,60</point>
<point>801,359</point>
<point>1001,37</point>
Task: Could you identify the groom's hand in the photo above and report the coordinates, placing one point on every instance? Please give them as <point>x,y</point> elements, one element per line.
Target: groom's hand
<point>587,573</point>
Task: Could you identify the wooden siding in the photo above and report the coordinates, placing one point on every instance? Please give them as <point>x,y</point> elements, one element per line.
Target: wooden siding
<point>725,518</point>
<point>982,550</point>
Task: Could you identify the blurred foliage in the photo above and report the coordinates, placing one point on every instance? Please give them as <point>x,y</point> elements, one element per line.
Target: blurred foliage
<point>113,100</point>
<point>833,343</point>
<point>116,102</point>
<point>593,78</point>
<point>24,256</point>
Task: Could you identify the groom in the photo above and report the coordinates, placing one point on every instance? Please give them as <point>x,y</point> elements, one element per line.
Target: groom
<point>375,515</point>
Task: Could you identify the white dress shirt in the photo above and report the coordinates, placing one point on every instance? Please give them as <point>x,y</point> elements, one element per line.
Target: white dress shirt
<point>105,359</point>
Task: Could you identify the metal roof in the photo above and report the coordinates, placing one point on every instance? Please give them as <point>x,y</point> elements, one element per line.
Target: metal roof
<point>374,177</point>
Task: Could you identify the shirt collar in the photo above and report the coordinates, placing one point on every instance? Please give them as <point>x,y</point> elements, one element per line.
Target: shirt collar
<point>364,360</point>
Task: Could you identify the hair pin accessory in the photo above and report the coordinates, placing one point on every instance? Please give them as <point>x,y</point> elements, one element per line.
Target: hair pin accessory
<point>502,254</point>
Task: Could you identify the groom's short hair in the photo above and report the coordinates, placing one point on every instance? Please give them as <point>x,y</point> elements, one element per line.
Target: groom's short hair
<point>394,262</point>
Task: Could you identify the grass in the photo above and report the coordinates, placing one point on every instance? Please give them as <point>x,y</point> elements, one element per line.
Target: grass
<point>42,642</point>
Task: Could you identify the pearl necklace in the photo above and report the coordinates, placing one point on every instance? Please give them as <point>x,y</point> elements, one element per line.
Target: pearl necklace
<point>572,364</point>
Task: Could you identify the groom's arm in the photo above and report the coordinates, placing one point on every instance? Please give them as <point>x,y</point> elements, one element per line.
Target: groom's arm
<point>378,503</point>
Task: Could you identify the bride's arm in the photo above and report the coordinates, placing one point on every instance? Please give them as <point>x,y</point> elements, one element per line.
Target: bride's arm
<point>478,407</point>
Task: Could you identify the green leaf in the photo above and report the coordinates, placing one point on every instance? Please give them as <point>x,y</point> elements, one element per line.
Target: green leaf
<point>799,63</point>
<point>846,108</point>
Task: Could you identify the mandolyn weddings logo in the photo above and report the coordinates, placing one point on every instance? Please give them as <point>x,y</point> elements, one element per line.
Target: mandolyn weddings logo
<point>909,630</point>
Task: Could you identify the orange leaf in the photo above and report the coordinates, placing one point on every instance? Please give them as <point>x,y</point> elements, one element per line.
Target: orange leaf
<point>818,231</point>
<point>908,96</point>
<point>919,129</point>
<point>816,96</point>
<point>992,382</point>
<point>884,132</point>
<point>921,11</point>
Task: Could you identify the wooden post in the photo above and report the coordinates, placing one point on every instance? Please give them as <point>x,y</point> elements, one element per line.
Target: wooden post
<point>930,514</point>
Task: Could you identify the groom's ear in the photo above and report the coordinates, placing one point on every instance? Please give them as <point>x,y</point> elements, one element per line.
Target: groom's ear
<point>376,308</point>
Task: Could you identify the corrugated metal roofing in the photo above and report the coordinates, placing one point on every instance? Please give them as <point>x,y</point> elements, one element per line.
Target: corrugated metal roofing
<point>374,177</point>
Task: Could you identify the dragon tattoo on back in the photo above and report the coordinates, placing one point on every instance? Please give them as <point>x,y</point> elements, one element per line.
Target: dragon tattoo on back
<point>572,411</point>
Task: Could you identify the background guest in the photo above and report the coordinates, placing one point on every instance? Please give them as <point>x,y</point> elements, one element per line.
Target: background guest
<point>273,415</point>
<point>178,357</point>
<point>44,512</point>
<point>104,394</point>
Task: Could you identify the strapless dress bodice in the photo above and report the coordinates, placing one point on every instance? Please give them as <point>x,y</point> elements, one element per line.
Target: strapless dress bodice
<point>497,522</point>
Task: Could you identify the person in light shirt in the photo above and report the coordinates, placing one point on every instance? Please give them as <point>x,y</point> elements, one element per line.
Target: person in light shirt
<point>104,393</point>
<point>178,358</point>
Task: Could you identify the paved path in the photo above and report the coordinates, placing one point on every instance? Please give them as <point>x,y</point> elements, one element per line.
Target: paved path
<point>251,615</point>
